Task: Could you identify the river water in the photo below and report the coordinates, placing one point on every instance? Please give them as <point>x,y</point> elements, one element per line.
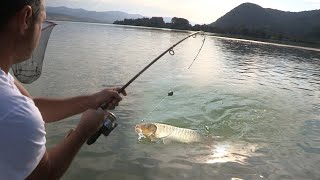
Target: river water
<point>258,103</point>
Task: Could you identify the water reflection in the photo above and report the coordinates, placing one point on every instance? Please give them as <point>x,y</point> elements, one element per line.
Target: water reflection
<point>224,152</point>
<point>254,63</point>
<point>311,134</point>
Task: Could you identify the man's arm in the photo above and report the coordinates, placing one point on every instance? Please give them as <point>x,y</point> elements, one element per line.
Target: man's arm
<point>56,109</point>
<point>57,160</point>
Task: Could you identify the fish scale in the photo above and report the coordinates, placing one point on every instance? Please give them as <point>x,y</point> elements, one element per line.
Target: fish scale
<point>177,134</point>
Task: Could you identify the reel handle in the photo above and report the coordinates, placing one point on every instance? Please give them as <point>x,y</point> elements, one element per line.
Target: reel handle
<point>105,129</point>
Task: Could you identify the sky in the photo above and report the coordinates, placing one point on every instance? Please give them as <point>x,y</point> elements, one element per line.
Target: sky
<point>196,11</point>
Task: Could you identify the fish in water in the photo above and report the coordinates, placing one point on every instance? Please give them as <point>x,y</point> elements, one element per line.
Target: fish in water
<point>168,133</point>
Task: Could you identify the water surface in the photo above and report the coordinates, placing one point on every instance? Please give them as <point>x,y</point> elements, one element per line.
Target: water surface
<point>260,102</point>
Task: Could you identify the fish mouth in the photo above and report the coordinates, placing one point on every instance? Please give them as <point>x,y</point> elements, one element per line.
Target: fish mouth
<point>138,129</point>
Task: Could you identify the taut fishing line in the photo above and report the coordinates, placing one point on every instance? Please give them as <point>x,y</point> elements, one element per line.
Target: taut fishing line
<point>110,124</point>
<point>172,90</point>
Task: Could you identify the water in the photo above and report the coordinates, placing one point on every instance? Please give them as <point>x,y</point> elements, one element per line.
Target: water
<point>260,103</point>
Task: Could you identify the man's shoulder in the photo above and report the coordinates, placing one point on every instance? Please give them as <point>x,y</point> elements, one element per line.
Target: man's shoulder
<point>18,111</point>
<point>16,107</point>
<point>7,86</point>
<point>22,132</point>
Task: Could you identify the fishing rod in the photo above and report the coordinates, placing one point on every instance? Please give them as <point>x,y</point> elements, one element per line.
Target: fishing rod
<point>110,119</point>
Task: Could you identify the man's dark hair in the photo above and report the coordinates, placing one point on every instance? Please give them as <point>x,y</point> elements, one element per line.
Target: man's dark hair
<point>10,7</point>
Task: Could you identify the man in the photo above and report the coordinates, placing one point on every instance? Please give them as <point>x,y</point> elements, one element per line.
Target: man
<point>23,154</point>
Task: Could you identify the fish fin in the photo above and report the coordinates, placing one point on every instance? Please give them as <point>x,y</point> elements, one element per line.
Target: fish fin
<point>166,141</point>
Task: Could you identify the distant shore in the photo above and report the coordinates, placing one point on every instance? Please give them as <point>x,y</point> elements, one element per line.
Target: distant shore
<point>276,43</point>
<point>307,46</point>
<point>315,46</point>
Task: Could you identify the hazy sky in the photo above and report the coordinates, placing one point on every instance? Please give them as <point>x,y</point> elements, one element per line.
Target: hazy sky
<point>198,11</point>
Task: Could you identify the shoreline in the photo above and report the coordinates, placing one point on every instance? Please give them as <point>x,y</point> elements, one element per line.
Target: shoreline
<point>306,46</point>
<point>271,42</point>
<point>312,46</point>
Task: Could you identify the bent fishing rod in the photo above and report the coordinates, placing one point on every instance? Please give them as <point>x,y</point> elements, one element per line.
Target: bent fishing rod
<point>110,123</point>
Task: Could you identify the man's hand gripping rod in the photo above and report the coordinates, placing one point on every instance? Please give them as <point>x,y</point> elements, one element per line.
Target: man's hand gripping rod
<point>108,126</point>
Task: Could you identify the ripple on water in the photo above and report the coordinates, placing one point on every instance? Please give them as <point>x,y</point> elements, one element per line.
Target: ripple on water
<point>311,137</point>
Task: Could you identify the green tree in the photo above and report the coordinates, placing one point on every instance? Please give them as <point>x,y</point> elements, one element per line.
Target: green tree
<point>180,23</point>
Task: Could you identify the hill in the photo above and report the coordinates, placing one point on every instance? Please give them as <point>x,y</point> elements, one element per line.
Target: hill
<point>252,20</point>
<point>69,14</point>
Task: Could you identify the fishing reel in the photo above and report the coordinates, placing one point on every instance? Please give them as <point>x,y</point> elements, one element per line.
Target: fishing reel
<point>108,126</point>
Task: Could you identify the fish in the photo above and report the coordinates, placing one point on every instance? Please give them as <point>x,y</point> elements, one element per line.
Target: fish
<point>168,133</point>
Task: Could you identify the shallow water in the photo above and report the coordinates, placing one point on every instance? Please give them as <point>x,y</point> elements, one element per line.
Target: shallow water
<point>260,102</point>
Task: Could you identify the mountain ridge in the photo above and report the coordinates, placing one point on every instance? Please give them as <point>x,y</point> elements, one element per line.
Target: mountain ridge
<point>65,13</point>
<point>250,17</point>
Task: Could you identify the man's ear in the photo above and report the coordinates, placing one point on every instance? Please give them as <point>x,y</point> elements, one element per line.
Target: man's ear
<point>24,19</point>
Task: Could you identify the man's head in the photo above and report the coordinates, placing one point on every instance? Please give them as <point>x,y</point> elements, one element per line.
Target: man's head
<point>20,21</point>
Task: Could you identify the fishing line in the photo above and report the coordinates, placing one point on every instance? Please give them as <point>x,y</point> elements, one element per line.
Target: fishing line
<point>104,129</point>
<point>204,39</point>
<point>171,91</point>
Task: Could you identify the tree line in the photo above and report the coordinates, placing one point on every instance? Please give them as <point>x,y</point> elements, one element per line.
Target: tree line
<point>255,33</point>
<point>176,23</point>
